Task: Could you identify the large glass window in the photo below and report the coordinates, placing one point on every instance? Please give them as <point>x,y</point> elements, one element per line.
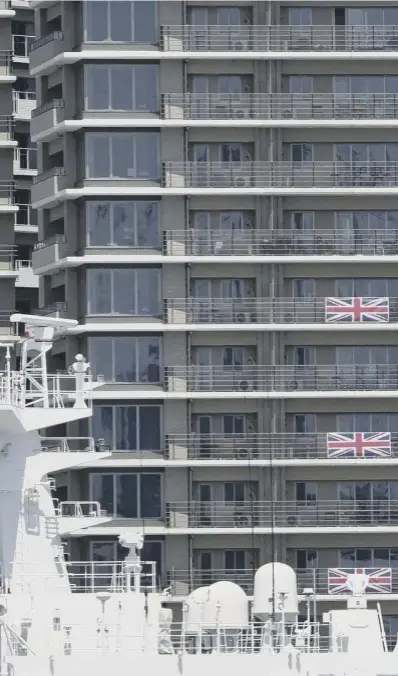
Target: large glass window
<point>367,422</point>
<point>122,291</point>
<point>128,224</point>
<point>121,87</point>
<point>126,359</point>
<point>369,557</point>
<point>122,155</point>
<point>364,491</point>
<point>127,496</point>
<point>128,428</point>
<point>353,221</point>
<point>359,355</point>
<point>372,16</point>
<point>366,152</point>
<point>121,21</point>
<point>367,287</point>
<point>365,84</point>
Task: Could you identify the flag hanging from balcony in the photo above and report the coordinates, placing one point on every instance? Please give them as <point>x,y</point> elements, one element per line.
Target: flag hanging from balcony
<point>358,444</point>
<point>379,580</point>
<point>357,309</point>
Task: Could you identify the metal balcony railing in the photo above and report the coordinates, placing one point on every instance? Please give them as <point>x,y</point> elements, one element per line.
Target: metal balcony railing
<point>25,160</point>
<point>52,308</point>
<point>318,579</point>
<point>26,216</point>
<point>67,444</point>
<point>50,241</point>
<point>21,45</point>
<point>7,190</point>
<point>23,103</point>
<point>282,446</point>
<point>331,310</point>
<point>50,105</point>
<point>55,36</point>
<point>111,576</point>
<point>246,38</point>
<point>253,377</point>
<point>243,106</point>
<point>280,174</point>
<point>253,242</point>
<point>6,124</point>
<point>281,514</point>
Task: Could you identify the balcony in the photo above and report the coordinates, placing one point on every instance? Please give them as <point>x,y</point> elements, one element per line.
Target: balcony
<point>6,66</point>
<point>344,514</point>
<point>26,218</point>
<point>238,39</point>
<point>46,48</point>
<point>48,183</point>
<point>49,251</point>
<point>288,448</point>
<point>288,381</point>
<point>47,116</point>
<point>26,277</point>
<point>283,177</point>
<point>328,313</point>
<point>281,243</point>
<point>23,104</point>
<point>7,196</point>
<point>25,162</point>
<point>285,109</point>
<point>21,45</point>
<point>56,310</point>
<point>183,582</point>
<point>67,444</point>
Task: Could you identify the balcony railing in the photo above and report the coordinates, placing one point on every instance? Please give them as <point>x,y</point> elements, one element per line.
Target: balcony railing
<point>55,36</point>
<point>25,160</point>
<point>244,38</point>
<point>21,45</point>
<point>50,241</point>
<point>50,173</point>
<point>50,105</point>
<point>252,378</point>
<point>185,581</point>
<point>332,310</point>
<point>253,242</point>
<point>67,444</point>
<point>281,514</point>
<point>52,309</point>
<point>280,174</point>
<point>26,216</point>
<point>111,576</point>
<point>243,106</point>
<point>23,104</point>
<point>80,508</point>
<point>282,446</point>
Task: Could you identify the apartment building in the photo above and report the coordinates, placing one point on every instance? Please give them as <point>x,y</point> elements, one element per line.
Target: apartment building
<point>218,207</point>
<point>18,286</point>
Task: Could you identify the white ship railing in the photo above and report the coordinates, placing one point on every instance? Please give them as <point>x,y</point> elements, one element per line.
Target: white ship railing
<point>80,508</point>
<point>67,444</point>
<point>26,390</point>
<point>111,576</point>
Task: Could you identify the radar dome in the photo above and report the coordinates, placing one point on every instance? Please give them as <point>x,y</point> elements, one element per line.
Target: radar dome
<point>275,590</point>
<point>227,606</point>
<point>193,610</point>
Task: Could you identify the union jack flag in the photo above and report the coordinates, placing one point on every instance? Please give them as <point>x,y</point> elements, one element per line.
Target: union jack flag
<point>358,444</point>
<point>379,580</point>
<point>355,309</point>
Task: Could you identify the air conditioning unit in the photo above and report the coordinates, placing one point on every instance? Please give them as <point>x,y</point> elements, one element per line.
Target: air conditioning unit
<point>240,112</point>
<point>240,45</point>
<point>221,111</point>
<point>245,385</point>
<point>241,519</point>
<point>288,113</point>
<point>243,453</point>
<point>241,181</point>
<point>245,317</point>
<point>289,318</point>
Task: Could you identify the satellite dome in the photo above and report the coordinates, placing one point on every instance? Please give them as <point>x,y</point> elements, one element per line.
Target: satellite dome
<point>227,606</point>
<point>193,610</point>
<point>275,590</point>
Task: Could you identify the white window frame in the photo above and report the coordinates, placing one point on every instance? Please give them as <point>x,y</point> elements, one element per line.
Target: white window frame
<point>110,137</point>
<point>113,313</point>
<point>112,205</point>
<point>115,449</point>
<point>136,340</point>
<point>138,475</point>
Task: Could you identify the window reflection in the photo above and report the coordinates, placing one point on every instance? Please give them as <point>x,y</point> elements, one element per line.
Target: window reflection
<point>128,496</point>
<point>121,21</point>
<point>123,291</point>
<point>367,422</point>
<point>129,224</point>
<point>133,155</point>
<point>128,428</point>
<point>126,359</point>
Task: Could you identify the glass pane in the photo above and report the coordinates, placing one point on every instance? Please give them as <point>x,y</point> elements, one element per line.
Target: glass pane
<point>124,224</point>
<point>148,360</point>
<point>146,88</point>
<point>126,428</point>
<point>148,301</point>
<point>147,159</point>
<point>98,156</point>
<point>121,88</point>
<point>98,224</point>
<point>121,21</point>
<point>103,551</point>
<point>145,22</point>
<point>123,156</point>
<point>98,292</point>
<point>97,94</point>
<point>150,496</point>
<point>100,350</point>
<point>102,424</point>
<point>147,215</point>
<point>126,496</point>
<point>149,428</point>
<point>102,491</point>
<point>96,21</point>
<point>125,366</point>
<point>123,292</point>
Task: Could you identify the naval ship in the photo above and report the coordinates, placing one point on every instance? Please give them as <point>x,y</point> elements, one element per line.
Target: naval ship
<point>52,626</point>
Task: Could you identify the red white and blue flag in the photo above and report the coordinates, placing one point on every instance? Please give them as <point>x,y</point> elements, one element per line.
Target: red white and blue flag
<point>356,309</point>
<point>379,580</point>
<point>358,444</point>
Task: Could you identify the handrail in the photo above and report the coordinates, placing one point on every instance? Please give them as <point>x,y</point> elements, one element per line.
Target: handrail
<point>50,241</point>
<point>58,306</point>
<point>54,36</point>
<point>55,103</point>
<point>50,173</point>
